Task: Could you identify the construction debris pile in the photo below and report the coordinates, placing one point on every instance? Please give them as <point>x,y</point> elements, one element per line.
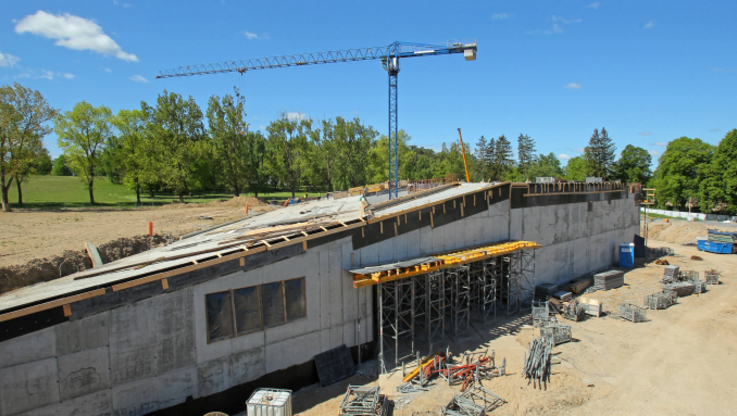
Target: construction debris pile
<point>474,399</point>
<point>364,401</point>
<point>537,362</point>
<point>682,283</point>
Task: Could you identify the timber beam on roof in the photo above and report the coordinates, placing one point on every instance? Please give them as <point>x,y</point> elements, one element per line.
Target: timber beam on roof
<point>443,261</point>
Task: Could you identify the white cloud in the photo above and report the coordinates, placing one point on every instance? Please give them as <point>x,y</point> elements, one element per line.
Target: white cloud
<point>499,16</point>
<point>715,130</point>
<point>262,127</point>
<point>123,5</point>
<point>573,86</point>
<point>295,116</point>
<point>594,5</point>
<point>659,144</point>
<point>649,25</point>
<point>250,35</point>
<point>565,21</point>
<point>138,78</point>
<point>8,60</point>
<point>581,150</point>
<point>555,30</point>
<point>645,133</point>
<point>255,117</point>
<point>563,156</point>
<point>655,153</point>
<point>108,70</point>
<point>44,74</point>
<point>72,32</point>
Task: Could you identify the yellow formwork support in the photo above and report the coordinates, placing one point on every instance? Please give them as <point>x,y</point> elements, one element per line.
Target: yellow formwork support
<point>445,260</point>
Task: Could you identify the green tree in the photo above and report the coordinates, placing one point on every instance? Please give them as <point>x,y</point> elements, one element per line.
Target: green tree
<point>42,164</point>
<point>634,165</point>
<point>287,146</point>
<point>576,169</point>
<point>257,167</point>
<point>600,154</point>
<point>24,117</point>
<point>82,134</point>
<point>132,126</point>
<point>681,169</point>
<point>322,151</point>
<point>180,134</point>
<point>379,161</point>
<point>502,162</point>
<point>228,129</point>
<point>718,187</point>
<point>545,166</point>
<point>61,167</point>
<point>525,153</point>
<point>354,142</point>
<point>482,163</point>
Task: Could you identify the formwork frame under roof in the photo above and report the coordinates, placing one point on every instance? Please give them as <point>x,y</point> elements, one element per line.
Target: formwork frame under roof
<point>422,308</point>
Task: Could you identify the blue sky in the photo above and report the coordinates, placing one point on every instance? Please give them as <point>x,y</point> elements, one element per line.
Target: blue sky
<point>649,72</point>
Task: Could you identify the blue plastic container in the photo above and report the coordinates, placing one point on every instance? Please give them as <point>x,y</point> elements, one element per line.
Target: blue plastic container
<point>627,255</point>
<point>715,247</point>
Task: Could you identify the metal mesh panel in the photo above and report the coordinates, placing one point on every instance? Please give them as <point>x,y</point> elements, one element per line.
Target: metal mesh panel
<point>247,310</point>
<point>219,316</point>
<point>295,299</point>
<point>272,303</point>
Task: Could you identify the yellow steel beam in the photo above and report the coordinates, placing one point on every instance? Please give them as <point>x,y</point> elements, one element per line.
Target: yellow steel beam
<point>445,260</point>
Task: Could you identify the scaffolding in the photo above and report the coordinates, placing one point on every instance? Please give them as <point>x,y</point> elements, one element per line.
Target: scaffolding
<point>419,311</point>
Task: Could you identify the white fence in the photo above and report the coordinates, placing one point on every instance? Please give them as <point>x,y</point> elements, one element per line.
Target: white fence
<point>686,215</point>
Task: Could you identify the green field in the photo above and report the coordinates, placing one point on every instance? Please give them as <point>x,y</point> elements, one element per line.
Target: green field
<point>66,191</point>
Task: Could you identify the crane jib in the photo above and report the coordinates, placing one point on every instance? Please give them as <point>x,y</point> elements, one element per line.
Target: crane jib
<point>389,56</point>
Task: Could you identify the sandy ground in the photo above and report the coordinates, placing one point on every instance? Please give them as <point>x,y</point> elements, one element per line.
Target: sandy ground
<point>680,362</point>
<point>29,235</point>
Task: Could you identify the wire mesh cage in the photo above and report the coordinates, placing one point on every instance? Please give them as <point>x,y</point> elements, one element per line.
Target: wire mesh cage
<point>556,333</point>
<point>540,313</point>
<point>632,313</point>
<point>660,300</point>
<point>712,277</point>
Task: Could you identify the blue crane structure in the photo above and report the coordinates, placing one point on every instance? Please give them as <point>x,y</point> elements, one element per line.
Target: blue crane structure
<point>388,55</point>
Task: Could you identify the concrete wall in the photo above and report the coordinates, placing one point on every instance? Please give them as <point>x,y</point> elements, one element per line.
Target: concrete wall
<point>153,354</point>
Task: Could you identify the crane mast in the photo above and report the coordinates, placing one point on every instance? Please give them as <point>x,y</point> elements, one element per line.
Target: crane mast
<point>389,56</point>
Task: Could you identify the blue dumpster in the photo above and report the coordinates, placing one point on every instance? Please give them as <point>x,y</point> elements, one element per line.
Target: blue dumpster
<point>627,255</point>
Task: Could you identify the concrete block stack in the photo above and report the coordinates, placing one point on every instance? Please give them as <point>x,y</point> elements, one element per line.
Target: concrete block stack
<point>611,279</point>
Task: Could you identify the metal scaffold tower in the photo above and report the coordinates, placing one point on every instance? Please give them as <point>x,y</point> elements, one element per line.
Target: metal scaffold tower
<point>427,307</point>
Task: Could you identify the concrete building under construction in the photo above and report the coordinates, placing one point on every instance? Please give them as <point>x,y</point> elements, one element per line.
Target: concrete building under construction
<point>197,325</point>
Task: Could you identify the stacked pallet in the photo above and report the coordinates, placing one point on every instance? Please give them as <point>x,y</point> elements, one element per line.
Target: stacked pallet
<point>611,279</point>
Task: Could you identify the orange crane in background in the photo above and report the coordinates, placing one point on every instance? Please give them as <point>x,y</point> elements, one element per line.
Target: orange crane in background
<point>465,164</point>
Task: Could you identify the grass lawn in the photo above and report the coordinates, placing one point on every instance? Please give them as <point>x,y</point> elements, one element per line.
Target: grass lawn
<point>67,191</point>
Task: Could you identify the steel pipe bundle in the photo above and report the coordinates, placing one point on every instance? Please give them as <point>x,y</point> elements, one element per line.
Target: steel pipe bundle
<point>537,362</point>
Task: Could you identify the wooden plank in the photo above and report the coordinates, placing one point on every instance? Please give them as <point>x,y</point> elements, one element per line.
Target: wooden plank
<point>396,233</point>
<point>574,193</point>
<point>426,362</point>
<point>50,305</point>
<point>164,284</point>
<point>363,232</point>
<point>67,310</point>
<point>94,255</point>
<point>304,245</point>
<point>242,261</point>
<point>186,269</point>
<point>461,211</point>
<point>381,225</point>
<point>432,222</point>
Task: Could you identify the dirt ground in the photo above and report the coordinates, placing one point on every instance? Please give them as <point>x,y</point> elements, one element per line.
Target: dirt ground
<point>25,236</point>
<point>679,362</point>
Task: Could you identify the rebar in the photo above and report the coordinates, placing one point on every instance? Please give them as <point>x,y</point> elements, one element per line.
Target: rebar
<point>537,362</point>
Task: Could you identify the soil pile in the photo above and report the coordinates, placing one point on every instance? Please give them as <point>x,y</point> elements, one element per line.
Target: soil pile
<point>72,261</point>
<point>680,232</point>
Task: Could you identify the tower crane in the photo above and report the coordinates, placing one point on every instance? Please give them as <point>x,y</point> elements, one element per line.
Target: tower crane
<point>388,55</point>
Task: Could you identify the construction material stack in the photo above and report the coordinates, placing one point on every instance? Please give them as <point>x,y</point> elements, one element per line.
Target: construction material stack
<point>537,362</point>
<point>611,279</point>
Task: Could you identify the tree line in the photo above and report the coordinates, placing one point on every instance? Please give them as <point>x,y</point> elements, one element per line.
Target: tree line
<point>173,146</point>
